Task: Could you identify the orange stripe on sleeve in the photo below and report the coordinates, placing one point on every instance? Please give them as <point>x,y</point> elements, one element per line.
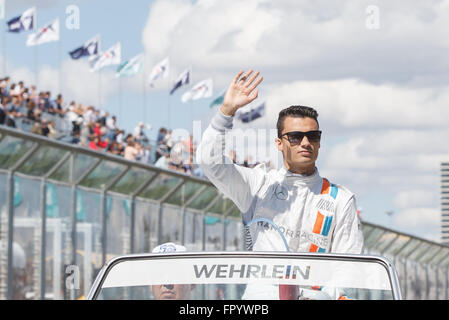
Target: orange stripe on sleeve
<point>313,248</point>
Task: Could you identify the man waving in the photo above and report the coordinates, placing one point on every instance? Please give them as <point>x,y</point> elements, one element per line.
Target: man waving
<point>290,209</point>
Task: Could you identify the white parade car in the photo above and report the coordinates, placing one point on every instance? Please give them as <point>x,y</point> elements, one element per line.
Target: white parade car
<point>246,276</point>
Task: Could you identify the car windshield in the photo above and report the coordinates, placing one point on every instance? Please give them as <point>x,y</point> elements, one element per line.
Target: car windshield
<point>241,276</point>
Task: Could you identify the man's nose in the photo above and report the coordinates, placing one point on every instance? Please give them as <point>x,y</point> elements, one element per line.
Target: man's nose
<point>305,141</point>
<point>168,286</point>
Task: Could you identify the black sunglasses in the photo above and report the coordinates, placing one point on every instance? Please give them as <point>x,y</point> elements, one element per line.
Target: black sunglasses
<point>296,137</point>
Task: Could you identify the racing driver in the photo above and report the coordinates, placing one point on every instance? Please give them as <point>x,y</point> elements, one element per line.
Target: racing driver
<point>291,209</point>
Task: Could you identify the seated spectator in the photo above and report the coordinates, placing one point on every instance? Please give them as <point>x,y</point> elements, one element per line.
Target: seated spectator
<point>98,144</point>
<point>13,112</point>
<point>146,155</point>
<point>51,130</point>
<point>140,150</point>
<point>37,126</point>
<point>76,138</point>
<point>111,127</point>
<point>163,161</point>
<point>102,116</point>
<point>88,115</point>
<point>4,86</point>
<point>97,128</point>
<point>187,165</point>
<point>131,151</point>
<point>33,95</point>
<point>114,148</point>
<point>161,150</point>
<point>138,133</point>
<point>47,105</point>
<point>30,110</point>
<point>85,136</point>
<point>14,90</point>
<point>2,111</point>
<point>129,137</point>
<point>20,90</point>
<point>73,117</point>
<point>121,148</point>
<point>120,136</point>
<point>41,103</point>
<point>57,106</point>
<point>80,110</point>
<point>168,140</point>
<point>161,135</point>
<point>45,128</point>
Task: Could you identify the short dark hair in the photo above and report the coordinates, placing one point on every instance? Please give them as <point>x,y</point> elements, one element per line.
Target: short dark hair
<point>298,112</point>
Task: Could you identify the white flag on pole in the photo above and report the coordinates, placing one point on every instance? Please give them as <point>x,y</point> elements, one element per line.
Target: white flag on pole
<point>130,67</point>
<point>203,89</point>
<point>26,21</point>
<point>48,33</point>
<point>111,56</point>
<point>159,71</point>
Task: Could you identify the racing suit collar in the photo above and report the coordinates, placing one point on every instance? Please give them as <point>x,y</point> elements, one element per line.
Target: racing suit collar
<point>299,179</point>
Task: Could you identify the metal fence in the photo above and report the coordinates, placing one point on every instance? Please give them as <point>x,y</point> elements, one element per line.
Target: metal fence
<point>65,210</point>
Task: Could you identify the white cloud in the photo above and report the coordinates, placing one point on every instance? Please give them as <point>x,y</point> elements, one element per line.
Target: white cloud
<point>352,103</point>
<point>300,40</point>
<point>422,221</point>
<point>415,198</point>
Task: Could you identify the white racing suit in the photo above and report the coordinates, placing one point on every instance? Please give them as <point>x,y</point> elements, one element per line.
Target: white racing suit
<point>313,214</point>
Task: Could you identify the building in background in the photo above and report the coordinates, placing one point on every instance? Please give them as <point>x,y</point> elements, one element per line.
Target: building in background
<point>445,203</point>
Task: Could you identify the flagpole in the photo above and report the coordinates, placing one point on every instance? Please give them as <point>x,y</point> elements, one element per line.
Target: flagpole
<point>36,57</point>
<point>191,101</point>
<point>4,40</point>
<point>168,101</point>
<point>4,51</point>
<point>191,112</point>
<point>144,90</point>
<point>99,88</point>
<point>99,74</point>
<point>60,62</point>
<point>120,97</point>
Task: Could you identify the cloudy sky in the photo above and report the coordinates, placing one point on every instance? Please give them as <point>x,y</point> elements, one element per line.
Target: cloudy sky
<point>376,71</point>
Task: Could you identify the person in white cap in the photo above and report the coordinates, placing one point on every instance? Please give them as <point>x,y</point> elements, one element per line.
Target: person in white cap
<point>171,291</point>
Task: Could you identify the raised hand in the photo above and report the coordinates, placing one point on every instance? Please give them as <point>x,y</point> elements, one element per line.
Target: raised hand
<point>241,91</point>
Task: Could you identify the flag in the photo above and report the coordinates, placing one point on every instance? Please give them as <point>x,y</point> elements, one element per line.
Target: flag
<point>110,57</point>
<point>183,79</point>
<point>23,22</point>
<point>90,48</point>
<point>130,67</point>
<point>2,9</point>
<point>48,33</point>
<point>252,114</point>
<point>202,89</point>
<point>159,71</point>
<point>219,100</point>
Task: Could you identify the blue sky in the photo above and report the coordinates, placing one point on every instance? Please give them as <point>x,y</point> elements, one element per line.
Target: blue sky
<point>379,80</point>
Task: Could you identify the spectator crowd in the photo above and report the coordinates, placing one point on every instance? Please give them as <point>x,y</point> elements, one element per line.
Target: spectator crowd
<point>38,112</point>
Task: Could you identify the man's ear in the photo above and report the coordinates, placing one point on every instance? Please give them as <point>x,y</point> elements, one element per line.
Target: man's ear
<point>278,143</point>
